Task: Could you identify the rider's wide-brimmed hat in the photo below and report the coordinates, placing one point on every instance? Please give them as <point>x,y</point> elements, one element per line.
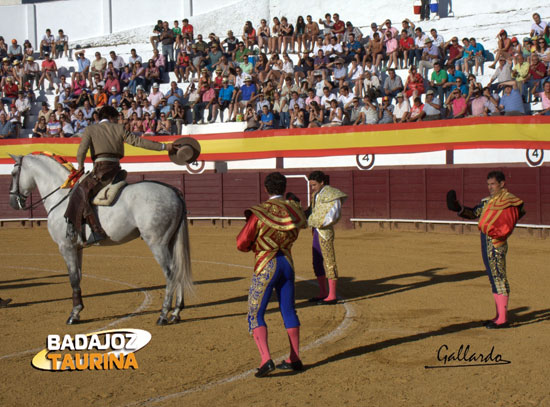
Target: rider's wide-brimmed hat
<point>188,151</point>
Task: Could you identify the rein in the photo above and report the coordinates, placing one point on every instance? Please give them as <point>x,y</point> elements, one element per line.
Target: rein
<point>73,178</point>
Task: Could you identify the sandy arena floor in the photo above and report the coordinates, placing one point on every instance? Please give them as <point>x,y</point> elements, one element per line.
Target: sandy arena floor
<point>406,294</point>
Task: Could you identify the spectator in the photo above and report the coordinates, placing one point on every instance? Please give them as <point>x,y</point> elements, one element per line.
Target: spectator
<point>545,98</point>
<point>164,126</point>
<point>385,113</point>
<point>452,76</point>
<point>419,44</point>
<point>40,129</point>
<point>393,84</point>
<point>453,51</point>
<point>537,72</point>
<point>148,124</point>
<point>369,111</point>
<point>157,30</point>
<point>280,111</point>
<point>23,106</point>
<point>97,66</point>
<point>502,74</point>
<point>208,101</point>
<point>49,72</point>
<point>503,49</point>
<point>375,49</point>
<point>167,39</point>
<point>117,60</point>
<point>311,33</point>
<point>392,49</point>
<point>249,116</point>
<point>417,110</point>
<point>298,119</point>
<point>402,109</point>
<point>430,55</point>
<point>152,75</point>
<point>336,115</point>
<point>371,86</point>
<point>246,93</point>
<point>32,72</point>
<point>438,80</point>
<point>80,124</point>
<point>134,57</point>
<point>477,102</point>
<point>327,24</point>
<point>267,119</point>
<point>83,63</point>
<point>406,49</point>
<point>249,35</point>
<point>10,90</point>
<point>7,129</point>
<point>47,43</point>
<point>53,127</point>
<point>425,10</point>
<point>187,30</point>
<point>66,127</point>
<point>520,72</point>
<point>15,52</point>
<point>492,104</point>
<point>457,104</point>
<point>414,85</point>
<point>474,56</point>
<point>511,103</point>
<point>338,28</point>
<point>100,97</point>
<point>408,26</point>
<point>538,27</point>
<point>61,45</point>
<point>432,107</point>
<point>226,98</point>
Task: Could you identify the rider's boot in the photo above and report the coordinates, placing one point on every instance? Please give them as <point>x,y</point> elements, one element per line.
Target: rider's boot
<point>98,234</point>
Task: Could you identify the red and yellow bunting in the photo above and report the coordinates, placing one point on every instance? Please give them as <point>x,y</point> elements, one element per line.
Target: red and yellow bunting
<point>527,132</point>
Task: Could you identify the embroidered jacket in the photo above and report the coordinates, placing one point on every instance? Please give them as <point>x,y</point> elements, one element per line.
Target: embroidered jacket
<point>497,215</point>
<point>271,227</point>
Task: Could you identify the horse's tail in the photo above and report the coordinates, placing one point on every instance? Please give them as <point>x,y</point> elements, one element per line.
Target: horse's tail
<point>181,257</point>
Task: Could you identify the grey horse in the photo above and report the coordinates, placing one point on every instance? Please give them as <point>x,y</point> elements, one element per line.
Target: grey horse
<point>152,210</point>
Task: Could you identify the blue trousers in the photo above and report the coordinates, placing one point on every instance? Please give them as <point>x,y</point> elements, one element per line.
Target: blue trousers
<point>278,274</point>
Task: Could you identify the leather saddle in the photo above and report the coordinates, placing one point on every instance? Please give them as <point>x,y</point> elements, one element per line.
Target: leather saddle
<point>108,195</point>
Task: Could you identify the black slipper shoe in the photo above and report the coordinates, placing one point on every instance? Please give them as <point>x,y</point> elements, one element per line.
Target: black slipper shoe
<point>266,368</point>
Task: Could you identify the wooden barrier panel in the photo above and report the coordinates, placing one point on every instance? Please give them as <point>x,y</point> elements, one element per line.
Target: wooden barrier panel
<point>378,194</point>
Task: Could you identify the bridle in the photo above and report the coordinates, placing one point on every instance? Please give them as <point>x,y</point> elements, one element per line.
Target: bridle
<point>21,198</point>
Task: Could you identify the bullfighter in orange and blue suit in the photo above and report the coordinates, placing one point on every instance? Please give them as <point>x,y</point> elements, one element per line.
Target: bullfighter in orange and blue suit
<point>498,215</point>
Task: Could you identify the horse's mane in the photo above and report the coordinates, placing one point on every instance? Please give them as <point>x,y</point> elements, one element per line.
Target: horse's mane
<point>66,164</point>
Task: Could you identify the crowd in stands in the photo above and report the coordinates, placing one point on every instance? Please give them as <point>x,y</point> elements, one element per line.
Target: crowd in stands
<point>341,76</point>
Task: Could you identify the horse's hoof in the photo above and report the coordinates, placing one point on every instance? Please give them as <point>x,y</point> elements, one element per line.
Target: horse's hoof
<point>174,319</point>
<point>162,321</point>
<point>73,320</point>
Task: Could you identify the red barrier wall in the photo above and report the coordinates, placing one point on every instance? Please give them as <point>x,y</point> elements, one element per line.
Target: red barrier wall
<point>378,194</point>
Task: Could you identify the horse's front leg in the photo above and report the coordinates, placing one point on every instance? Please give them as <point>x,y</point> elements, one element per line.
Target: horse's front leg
<point>73,259</point>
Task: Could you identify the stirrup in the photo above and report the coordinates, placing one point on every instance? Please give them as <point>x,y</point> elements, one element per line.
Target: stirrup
<point>94,239</point>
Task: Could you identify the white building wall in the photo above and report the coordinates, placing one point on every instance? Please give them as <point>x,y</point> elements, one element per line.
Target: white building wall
<point>79,19</point>
<point>128,14</point>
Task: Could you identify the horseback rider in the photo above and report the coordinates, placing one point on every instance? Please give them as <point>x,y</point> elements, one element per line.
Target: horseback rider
<point>105,141</point>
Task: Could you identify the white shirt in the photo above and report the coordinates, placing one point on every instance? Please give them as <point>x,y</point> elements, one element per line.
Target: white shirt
<point>325,100</point>
<point>539,28</point>
<point>357,73</point>
<point>334,214</point>
<point>400,110</point>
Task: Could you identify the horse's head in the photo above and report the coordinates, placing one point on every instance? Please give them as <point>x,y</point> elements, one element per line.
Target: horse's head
<point>22,184</point>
